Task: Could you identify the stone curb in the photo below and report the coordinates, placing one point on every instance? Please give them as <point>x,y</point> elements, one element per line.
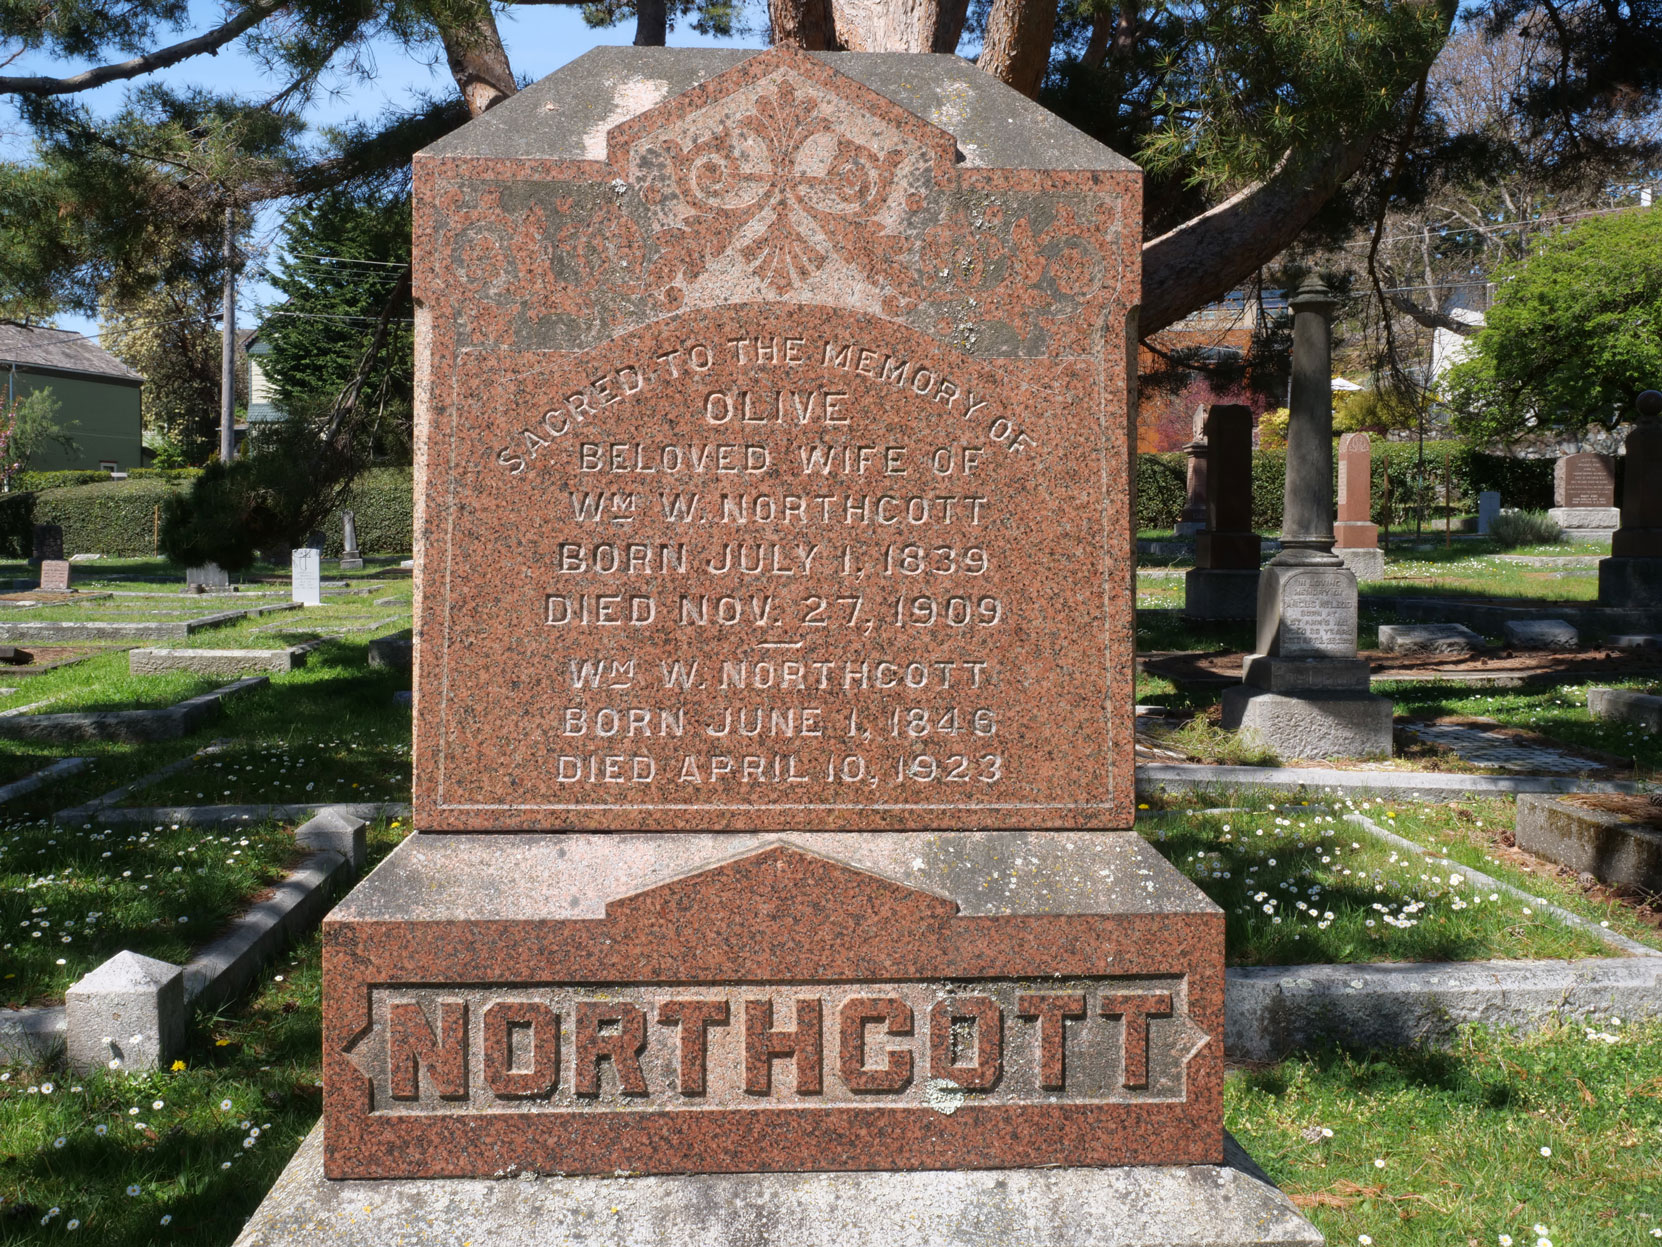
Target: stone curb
<point>225,968</point>
<point>67,631</point>
<point>1181,776</point>
<point>223,815</point>
<point>168,723</point>
<point>58,770</point>
<point>63,818</point>
<point>1614,848</point>
<point>219,662</point>
<point>1272,1010</point>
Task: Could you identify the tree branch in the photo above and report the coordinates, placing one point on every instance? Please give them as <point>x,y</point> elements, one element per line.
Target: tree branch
<point>210,42</point>
<point>1429,318</point>
<point>346,402</point>
<point>1207,256</point>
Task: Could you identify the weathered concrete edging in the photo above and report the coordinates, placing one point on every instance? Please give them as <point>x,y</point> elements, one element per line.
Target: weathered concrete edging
<point>67,631</point>
<point>60,769</point>
<point>1270,1011</point>
<point>90,809</point>
<point>1491,618</point>
<point>1182,776</point>
<point>1622,705</point>
<point>223,815</point>
<point>168,723</point>
<point>137,1009</point>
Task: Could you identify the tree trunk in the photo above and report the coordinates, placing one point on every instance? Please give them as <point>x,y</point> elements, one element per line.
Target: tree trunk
<point>1206,257</point>
<point>228,342</point>
<point>651,23</point>
<point>899,25</point>
<point>478,62</point>
<point>805,24</point>
<point>1016,47</point>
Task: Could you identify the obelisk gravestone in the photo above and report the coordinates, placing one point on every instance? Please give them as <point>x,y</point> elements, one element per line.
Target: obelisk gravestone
<point>1223,584</point>
<point>773,692</point>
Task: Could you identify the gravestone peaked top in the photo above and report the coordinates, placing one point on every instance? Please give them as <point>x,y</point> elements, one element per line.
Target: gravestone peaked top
<point>771,405</point>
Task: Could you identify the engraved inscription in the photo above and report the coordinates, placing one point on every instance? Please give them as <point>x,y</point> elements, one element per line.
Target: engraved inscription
<point>574,1048</point>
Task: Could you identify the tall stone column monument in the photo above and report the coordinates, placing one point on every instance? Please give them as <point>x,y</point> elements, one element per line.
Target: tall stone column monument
<point>773,696</point>
<point>1632,575</point>
<point>1304,692</point>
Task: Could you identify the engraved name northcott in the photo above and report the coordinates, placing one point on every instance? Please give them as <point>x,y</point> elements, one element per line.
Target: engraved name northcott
<point>729,507</point>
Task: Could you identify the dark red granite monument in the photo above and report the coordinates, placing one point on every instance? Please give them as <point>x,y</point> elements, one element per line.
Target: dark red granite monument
<point>1355,535</point>
<point>773,689</point>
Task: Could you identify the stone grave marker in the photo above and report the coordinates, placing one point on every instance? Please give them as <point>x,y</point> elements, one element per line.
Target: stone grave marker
<point>306,574</point>
<point>1192,519</point>
<point>208,577</point>
<point>55,575</point>
<point>1356,536</point>
<point>773,485</point>
<point>48,543</point>
<point>1304,692</point>
<point>1224,581</point>
<point>1584,494</point>
<point>350,559</point>
<point>1488,509</point>
<point>1632,575</point>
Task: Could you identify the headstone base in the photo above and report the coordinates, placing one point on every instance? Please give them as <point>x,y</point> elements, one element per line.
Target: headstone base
<point>1311,725</point>
<point>1630,582</point>
<point>1587,521</point>
<point>351,565</point>
<point>1305,675</point>
<point>1368,563</point>
<point>1228,1205</point>
<point>1188,528</point>
<point>1220,593</point>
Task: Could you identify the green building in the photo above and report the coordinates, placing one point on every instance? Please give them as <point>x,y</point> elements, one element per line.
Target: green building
<point>97,394</point>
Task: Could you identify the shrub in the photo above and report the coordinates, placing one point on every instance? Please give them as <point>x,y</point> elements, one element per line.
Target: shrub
<point>1525,528</point>
<point>117,518</point>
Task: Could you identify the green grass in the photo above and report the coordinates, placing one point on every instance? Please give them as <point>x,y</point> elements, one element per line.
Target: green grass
<point>1299,884</point>
<point>1475,832</point>
<point>70,898</point>
<point>1461,1135</point>
<point>1557,712</point>
<point>102,683</point>
<point>231,1115</point>
<point>345,769</point>
<point>1463,573</point>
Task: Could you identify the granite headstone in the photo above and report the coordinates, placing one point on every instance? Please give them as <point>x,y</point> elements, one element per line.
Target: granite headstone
<point>1632,576</point>
<point>773,484</point>
<point>55,575</point>
<point>1356,536</point>
<point>1488,510</point>
<point>1584,494</point>
<point>1224,581</point>
<point>48,542</point>
<point>350,559</point>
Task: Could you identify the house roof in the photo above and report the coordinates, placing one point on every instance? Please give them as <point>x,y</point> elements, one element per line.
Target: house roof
<point>61,350</point>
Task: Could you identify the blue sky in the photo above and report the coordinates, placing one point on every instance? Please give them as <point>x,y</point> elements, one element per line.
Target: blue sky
<point>539,40</point>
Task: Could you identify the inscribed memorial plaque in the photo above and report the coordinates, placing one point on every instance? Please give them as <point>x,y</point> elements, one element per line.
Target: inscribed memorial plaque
<point>1584,480</point>
<point>55,575</point>
<point>772,463</point>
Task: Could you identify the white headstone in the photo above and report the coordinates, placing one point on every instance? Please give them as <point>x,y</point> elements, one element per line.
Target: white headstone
<point>307,571</point>
<point>1488,508</point>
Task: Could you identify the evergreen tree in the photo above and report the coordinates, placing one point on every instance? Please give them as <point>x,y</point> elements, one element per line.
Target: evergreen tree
<point>343,272</point>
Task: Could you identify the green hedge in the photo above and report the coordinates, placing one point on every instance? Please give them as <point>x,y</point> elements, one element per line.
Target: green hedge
<point>118,518</point>
<point>1525,483</point>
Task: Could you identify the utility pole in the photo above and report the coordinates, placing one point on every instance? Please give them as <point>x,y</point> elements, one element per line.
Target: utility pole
<point>228,344</point>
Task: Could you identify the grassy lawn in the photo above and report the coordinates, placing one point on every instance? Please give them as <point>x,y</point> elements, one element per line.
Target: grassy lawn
<point>1299,884</point>
<point>1554,1136</point>
<point>1468,572</point>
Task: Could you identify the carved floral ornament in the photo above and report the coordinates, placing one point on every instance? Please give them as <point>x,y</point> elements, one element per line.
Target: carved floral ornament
<point>792,197</point>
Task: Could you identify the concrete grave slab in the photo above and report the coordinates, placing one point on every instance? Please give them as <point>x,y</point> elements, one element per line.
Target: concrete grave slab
<point>1428,639</point>
<point>1541,634</point>
<point>1621,705</point>
<point>219,662</point>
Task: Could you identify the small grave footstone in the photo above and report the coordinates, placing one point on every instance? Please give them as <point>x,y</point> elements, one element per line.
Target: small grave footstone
<point>206,578</point>
<point>1428,639</point>
<point>1488,510</point>
<point>55,575</point>
<point>12,656</point>
<point>306,585</point>
<point>131,1009</point>
<point>1622,705</point>
<point>1632,575</point>
<point>395,652</point>
<point>1642,640</point>
<point>1541,634</point>
<point>350,559</point>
